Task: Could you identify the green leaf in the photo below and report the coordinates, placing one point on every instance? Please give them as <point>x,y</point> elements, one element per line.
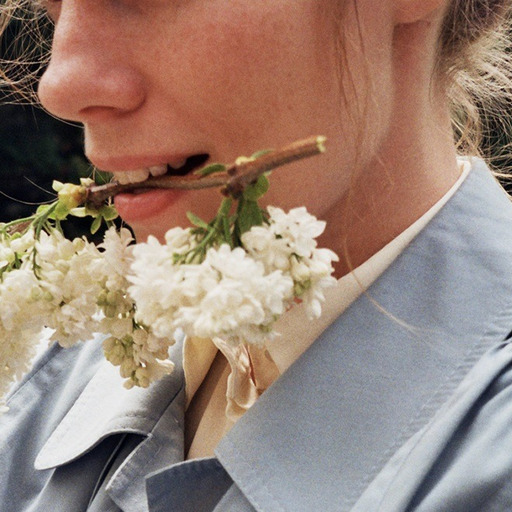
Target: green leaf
<point>57,185</point>
<point>78,212</point>
<point>211,169</point>
<point>101,177</point>
<point>96,224</point>
<point>43,208</point>
<point>249,215</point>
<point>261,153</point>
<point>197,221</point>
<point>227,231</point>
<point>108,213</point>
<point>256,190</point>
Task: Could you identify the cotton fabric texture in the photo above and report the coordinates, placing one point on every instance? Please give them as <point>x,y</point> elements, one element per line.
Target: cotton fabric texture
<point>402,404</point>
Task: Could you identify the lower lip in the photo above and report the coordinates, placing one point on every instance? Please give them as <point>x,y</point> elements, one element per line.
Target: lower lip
<point>134,208</point>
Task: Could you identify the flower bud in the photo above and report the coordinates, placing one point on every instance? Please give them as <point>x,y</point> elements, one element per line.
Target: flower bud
<point>72,196</point>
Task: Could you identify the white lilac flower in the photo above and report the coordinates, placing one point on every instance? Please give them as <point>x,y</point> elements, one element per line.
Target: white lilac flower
<point>263,245</point>
<point>222,296</point>
<point>140,295</point>
<point>298,227</point>
<point>159,286</point>
<point>117,255</point>
<point>24,303</point>
<point>235,294</point>
<point>155,281</point>
<point>22,243</point>
<point>117,258</point>
<point>180,240</point>
<point>141,356</point>
<point>311,277</point>
<point>71,273</point>
<point>17,350</point>
<point>22,316</point>
<point>15,247</point>
<point>244,302</point>
<point>288,243</point>
<point>286,234</point>
<point>7,256</point>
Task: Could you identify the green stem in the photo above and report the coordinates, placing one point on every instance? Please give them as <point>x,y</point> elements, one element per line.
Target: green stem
<point>215,231</point>
<point>40,222</point>
<point>225,207</point>
<point>222,213</point>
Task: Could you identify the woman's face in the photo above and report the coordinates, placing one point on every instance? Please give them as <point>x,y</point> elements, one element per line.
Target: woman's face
<point>157,81</point>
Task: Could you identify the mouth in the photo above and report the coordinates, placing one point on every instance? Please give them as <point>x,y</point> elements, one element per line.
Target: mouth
<point>157,172</point>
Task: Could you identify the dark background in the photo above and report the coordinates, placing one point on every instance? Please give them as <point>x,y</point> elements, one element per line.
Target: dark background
<point>35,148</point>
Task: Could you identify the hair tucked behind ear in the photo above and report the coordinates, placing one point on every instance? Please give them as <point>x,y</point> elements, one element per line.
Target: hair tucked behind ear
<point>476,66</point>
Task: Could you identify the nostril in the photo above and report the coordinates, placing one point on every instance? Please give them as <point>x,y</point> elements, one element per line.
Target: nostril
<point>98,113</point>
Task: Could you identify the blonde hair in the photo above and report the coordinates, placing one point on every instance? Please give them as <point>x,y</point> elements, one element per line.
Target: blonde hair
<point>473,62</point>
<point>475,65</point>
<point>29,35</point>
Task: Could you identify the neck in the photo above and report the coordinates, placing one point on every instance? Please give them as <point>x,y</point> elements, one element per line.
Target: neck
<point>413,167</point>
<point>385,201</point>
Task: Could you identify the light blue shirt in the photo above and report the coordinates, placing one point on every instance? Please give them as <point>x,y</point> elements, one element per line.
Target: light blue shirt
<point>406,407</point>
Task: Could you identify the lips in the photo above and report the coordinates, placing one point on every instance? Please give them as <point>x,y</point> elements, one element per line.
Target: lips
<point>144,203</point>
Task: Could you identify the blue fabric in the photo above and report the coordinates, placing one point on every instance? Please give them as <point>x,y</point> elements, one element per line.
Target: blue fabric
<point>58,437</point>
<point>375,377</point>
<point>474,472</point>
<point>36,408</point>
<point>192,486</point>
<point>403,407</point>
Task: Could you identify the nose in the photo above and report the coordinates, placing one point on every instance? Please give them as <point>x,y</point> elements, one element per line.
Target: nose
<point>89,77</point>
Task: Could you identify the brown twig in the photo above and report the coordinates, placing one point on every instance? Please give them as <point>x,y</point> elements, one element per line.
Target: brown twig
<point>234,180</point>
<point>20,227</point>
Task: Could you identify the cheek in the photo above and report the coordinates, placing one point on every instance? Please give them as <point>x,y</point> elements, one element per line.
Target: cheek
<point>258,64</point>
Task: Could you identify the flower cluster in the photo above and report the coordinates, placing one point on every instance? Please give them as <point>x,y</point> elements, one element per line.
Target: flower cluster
<point>234,293</point>
<point>18,314</point>
<point>140,354</point>
<point>139,295</point>
<point>228,295</point>
<point>230,278</point>
<point>288,243</point>
<point>74,288</point>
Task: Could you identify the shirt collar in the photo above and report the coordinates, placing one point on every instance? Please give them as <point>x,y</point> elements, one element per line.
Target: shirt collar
<point>297,333</point>
<point>384,368</point>
<point>104,408</point>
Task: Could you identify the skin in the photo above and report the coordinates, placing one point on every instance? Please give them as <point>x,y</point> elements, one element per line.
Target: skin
<point>154,79</point>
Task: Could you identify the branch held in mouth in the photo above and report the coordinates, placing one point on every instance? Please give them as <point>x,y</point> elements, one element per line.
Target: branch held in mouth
<point>233,178</point>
